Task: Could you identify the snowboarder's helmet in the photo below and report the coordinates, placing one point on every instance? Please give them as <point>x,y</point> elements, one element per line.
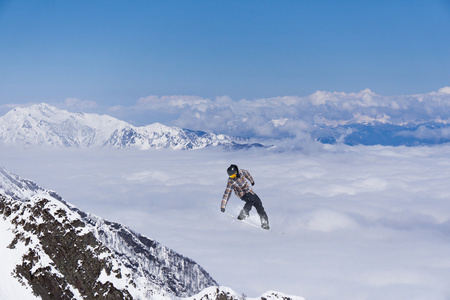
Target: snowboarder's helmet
<point>232,171</point>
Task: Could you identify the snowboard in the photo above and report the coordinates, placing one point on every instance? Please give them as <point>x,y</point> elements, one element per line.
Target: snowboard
<point>250,223</point>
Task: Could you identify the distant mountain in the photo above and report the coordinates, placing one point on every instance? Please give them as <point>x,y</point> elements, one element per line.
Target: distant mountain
<point>43,124</point>
<point>366,118</point>
<point>52,250</point>
<point>384,133</point>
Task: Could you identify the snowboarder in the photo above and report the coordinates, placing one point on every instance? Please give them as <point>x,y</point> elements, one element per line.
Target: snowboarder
<point>237,181</point>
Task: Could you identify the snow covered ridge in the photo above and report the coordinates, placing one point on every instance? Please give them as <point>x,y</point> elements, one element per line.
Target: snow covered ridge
<point>43,124</point>
<point>55,251</point>
<point>64,253</point>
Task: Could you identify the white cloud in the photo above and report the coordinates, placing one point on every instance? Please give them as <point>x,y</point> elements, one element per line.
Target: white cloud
<point>444,90</point>
<point>424,133</point>
<point>327,220</point>
<point>82,105</point>
<point>168,102</point>
<point>265,118</point>
<point>279,122</point>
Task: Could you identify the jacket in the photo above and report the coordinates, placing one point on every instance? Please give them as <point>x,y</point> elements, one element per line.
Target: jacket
<point>239,185</point>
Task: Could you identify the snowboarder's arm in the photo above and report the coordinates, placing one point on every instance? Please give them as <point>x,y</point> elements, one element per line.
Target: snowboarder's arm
<point>248,176</point>
<point>226,197</point>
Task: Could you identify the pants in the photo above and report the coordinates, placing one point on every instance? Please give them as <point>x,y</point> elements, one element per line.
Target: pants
<point>253,200</point>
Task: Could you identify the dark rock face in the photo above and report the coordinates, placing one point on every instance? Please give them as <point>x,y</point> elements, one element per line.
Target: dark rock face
<point>74,255</point>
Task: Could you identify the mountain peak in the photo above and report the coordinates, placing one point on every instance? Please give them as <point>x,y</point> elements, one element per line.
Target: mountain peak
<point>43,110</point>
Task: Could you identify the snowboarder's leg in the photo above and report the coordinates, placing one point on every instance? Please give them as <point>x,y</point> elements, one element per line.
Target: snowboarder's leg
<point>247,206</point>
<point>243,214</point>
<point>250,201</point>
<point>257,203</point>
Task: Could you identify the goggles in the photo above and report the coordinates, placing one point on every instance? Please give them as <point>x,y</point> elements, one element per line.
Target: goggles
<point>233,176</point>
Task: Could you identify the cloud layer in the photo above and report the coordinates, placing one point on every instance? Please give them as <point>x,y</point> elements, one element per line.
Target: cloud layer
<point>294,116</point>
<point>359,222</point>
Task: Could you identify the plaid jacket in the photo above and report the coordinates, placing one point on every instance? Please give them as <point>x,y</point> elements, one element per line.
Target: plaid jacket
<point>239,185</point>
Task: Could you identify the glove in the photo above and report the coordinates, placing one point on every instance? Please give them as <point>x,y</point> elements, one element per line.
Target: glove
<point>222,209</point>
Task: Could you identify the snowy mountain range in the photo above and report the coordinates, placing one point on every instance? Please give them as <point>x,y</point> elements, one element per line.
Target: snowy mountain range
<point>376,132</point>
<point>350,118</point>
<point>43,124</point>
<point>52,250</point>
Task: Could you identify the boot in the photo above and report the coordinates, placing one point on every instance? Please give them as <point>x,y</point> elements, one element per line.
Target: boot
<point>243,215</point>
<point>265,222</point>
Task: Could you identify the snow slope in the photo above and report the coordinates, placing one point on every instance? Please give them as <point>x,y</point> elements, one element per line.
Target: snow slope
<point>11,288</point>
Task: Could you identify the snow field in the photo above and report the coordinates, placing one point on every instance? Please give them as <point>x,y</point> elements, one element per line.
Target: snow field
<point>10,287</point>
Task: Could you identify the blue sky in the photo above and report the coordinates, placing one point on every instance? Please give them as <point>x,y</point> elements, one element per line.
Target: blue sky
<point>116,52</point>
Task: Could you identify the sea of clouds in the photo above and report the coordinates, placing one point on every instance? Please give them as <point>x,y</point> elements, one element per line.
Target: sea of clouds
<point>356,222</point>
<point>290,116</point>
